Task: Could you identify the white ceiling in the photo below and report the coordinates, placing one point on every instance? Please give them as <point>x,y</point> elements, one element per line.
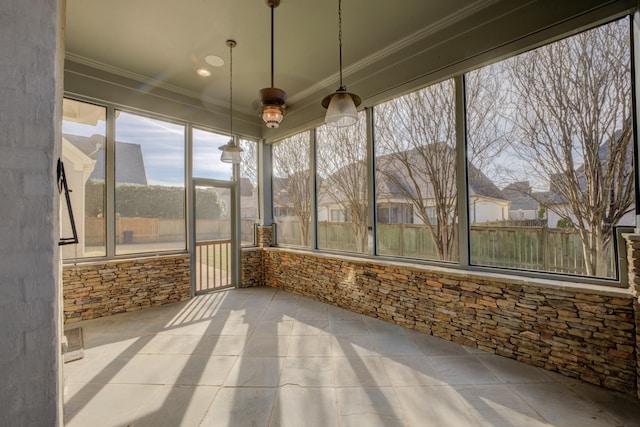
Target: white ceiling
<point>163,42</point>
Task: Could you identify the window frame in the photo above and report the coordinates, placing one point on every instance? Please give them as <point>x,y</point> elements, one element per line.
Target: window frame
<point>109,193</point>
<point>463,262</point>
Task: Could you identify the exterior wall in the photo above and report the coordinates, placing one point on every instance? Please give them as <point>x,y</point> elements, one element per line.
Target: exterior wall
<point>552,219</point>
<point>31,48</point>
<point>93,290</point>
<point>585,333</point>
<point>486,210</point>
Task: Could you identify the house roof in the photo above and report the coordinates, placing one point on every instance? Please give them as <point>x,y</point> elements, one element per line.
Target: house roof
<point>479,183</point>
<point>519,193</point>
<point>554,195</point>
<point>129,159</point>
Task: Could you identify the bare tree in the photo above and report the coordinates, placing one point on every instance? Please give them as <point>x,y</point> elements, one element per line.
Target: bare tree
<point>342,172</point>
<point>415,150</point>
<point>572,112</point>
<point>291,180</point>
<point>249,164</point>
<point>488,124</point>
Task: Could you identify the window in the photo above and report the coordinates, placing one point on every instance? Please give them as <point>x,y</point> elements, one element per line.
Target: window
<point>338,215</point>
<point>150,190</point>
<point>415,152</point>
<point>206,156</point>
<point>83,148</point>
<point>342,184</point>
<point>292,190</point>
<point>550,144</point>
<point>396,213</point>
<point>249,212</point>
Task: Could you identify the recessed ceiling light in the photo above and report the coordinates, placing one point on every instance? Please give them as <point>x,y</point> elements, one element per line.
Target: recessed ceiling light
<point>214,61</point>
<point>203,72</point>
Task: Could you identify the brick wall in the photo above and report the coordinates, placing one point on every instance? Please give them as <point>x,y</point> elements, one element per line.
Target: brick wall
<point>587,334</point>
<point>93,290</point>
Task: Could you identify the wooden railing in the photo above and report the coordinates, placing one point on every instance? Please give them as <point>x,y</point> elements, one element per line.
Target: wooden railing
<point>213,265</point>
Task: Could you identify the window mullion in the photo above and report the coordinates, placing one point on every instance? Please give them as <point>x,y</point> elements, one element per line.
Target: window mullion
<point>110,182</point>
<point>461,172</point>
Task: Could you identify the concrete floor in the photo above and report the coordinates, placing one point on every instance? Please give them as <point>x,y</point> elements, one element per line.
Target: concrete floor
<point>263,357</point>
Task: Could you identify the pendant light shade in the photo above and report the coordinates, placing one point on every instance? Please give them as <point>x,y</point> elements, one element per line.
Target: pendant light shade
<point>341,108</point>
<point>341,105</point>
<point>230,151</point>
<point>272,109</point>
<point>272,99</point>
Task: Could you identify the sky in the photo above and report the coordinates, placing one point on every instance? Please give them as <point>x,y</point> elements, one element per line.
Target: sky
<point>163,147</point>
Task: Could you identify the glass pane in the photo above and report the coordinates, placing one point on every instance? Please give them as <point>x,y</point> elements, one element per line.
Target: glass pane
<point>553,128</point>
<point>342,187</point>
<point>83,145</point>
<point>150,191</point>
<point>416,196</point>
<point>249,212</point>
<point>206,156</point>
<point>292,190</point>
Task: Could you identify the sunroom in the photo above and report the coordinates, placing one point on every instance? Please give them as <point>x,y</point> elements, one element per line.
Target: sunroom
<point>468,240</point>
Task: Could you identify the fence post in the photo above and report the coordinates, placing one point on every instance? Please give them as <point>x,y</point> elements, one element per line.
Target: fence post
<point>544,248</point>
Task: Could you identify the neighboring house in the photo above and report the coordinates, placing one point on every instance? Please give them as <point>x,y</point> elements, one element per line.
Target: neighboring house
<point>78,167</point>
<point>283,203</point>
<point>393,204</point>
<point>248,199</point>
<point>486,201</point>
<point>129,159</point>
<point>523,205</point>
<point>558,207</point>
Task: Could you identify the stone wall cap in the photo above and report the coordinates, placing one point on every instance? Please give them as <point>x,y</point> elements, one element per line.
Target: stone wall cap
<point>123,258</point>
<point>631,236</point>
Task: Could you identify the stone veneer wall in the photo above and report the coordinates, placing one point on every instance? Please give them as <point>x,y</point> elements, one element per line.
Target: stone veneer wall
<point>92,290</point>
<point>264,236</point>
<point>586,333</point>
<point>252,264</point>
<point>252,272</point>
<point>633,251</point>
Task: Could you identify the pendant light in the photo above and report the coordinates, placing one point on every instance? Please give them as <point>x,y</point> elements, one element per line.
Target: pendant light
<point>341,105</point>
<point>272,99</point>
<point>230,151</point>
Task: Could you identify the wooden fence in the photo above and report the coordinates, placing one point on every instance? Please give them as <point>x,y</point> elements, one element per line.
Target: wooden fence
<point>529,248</point>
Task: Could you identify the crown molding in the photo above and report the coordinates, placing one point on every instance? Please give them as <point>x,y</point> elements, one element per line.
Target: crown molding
<point>394,48</point>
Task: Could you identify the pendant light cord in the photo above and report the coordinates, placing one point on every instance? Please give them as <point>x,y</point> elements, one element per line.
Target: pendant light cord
<point>272,7</point>
<point>340,37</point>
<point>231,90</point>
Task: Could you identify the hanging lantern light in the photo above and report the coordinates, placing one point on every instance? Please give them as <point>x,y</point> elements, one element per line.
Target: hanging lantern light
<point>230,151</point>
<point>341,105</point>
<point>272,99</point>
